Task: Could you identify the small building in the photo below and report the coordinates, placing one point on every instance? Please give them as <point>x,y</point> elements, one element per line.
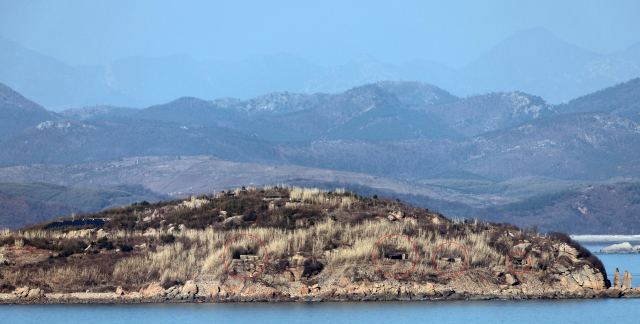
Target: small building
<point>248,257</point>
<point>520,260</point>
<point>450,259</point>
<point>397,256</point>
<point>95,222</point>
<point>272,197</point>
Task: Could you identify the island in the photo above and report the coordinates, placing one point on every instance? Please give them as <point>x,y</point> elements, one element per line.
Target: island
<point>290,244</point>
<point>622,248</point>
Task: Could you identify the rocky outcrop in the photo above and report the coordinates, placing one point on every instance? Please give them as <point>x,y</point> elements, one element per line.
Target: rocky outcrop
<point>616,279</point>
<point>576,278</point>
<point>523,247</point>
<point>194,203</point>
<point>622,248</point>
<point>189,287</point>
<point>626,280</point>
<point>28,293</point>
<point>154,289</point>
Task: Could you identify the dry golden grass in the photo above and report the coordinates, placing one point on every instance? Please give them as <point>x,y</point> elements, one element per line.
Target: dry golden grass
<point>198,252</point>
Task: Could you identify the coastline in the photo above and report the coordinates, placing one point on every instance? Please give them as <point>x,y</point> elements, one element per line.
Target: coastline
<point>594,239</point>
<point>112,298</point>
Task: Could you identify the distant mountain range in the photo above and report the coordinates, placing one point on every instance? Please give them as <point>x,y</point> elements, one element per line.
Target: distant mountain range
<point>376,129</point>
<point>18,113</point>
<point>532,61</point>
<point>401,139</point>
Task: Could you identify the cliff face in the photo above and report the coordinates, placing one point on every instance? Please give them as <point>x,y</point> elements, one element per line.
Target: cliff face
<point>293,244</point>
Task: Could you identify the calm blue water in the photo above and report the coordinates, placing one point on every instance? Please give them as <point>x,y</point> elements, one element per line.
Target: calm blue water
<point>545,311</point>
<point>629,262</point>
<point>531,311</point>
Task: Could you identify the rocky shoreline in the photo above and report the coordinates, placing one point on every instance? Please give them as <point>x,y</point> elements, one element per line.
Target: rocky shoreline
<point>357,292</point>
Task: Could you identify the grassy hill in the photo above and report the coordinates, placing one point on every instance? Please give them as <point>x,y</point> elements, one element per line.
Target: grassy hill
<point>312,238</point>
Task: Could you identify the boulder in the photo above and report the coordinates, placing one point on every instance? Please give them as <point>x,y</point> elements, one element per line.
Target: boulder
<point>234,286</point>
<point>523,247</point>
<point>566,249</point>
<point>626,280</point>
<point>511,279</point>
<point>398,214</point>
<point>286,276</point>
<point>214,292</point>
<point>632,294</point>
<point>22,292</point>
<point>611,292</point>
<point>35,293</point>
<point>154,289</point>
<point>343,282</point>
<point>233,221</point>
<point>304,289</point>
<point>616,279</point>
<point>189,286</point>
<point>119,291</point>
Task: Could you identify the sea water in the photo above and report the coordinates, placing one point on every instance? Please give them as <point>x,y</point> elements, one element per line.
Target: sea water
<point>628,262</point>
<point>498,311</point>
<point>511,311</point>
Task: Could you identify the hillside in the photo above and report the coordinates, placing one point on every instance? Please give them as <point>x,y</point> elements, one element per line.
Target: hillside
<point>474,115</point>
<point>20,212</point>
<point>35,202</point>
<point>592,146</point>
<point>94,113</point>
<point>18,113</point>
<point>73,141</point>
<point>622,99</point>
<point>195,175</point>
<point>610,209</point>
<point>293,244</point>
<point>417,94</point>
<point>371,112</point>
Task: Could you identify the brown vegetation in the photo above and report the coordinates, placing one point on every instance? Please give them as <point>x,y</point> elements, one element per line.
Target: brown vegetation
<point>175,241</point>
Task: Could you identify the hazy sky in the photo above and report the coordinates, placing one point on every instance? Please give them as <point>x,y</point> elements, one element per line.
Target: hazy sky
<point>324,32</point>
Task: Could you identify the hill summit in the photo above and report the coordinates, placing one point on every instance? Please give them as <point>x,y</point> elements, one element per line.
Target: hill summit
<point>291,244</point>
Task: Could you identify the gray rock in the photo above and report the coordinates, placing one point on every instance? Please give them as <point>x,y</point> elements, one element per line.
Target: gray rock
<point>190,286</point>
<point>616,279</point>
<point>511,279</point>
<point>35,293</point>
<point>523,247</point>
<point>626,280</point>
<point>622,248</point>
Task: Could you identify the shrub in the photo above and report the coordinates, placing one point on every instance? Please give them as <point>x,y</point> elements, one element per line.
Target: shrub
<point>104,243</point>
<point>124,247</point>
<point>167,239</point>
<point>312,267</point>
<point>250,216</point>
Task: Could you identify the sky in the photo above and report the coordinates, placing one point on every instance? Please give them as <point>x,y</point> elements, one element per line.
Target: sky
<point>328,33</point>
